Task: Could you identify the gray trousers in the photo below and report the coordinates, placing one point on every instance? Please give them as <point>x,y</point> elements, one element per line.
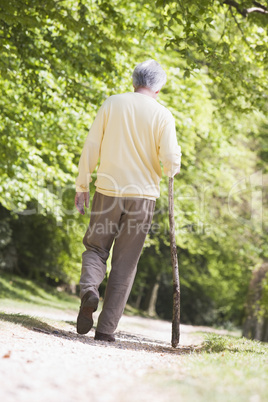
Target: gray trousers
<point>126,222</point>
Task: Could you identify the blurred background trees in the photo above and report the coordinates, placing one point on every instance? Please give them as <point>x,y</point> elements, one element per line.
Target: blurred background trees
<point>59,61</point>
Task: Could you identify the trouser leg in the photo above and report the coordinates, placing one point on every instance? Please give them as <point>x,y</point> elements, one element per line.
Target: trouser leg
<point>105,213</point>
<point>134,225</point>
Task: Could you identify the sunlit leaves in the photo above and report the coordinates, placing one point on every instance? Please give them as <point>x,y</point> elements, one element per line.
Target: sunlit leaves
<point>61,59</point>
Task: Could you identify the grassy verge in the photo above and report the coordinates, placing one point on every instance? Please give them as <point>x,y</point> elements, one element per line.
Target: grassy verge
<point>226,369</point>
<point>19,292</point>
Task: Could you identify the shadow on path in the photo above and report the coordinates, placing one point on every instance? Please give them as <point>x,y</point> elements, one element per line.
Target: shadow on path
<point>124,340</point>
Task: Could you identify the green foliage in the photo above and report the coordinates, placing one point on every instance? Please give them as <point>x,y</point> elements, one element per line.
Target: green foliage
<point>59,61</point>
<point>215,36</point>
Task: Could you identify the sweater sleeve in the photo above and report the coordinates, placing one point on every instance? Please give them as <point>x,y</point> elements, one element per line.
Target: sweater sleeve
<point>91,151</point>
<point>169,150</point>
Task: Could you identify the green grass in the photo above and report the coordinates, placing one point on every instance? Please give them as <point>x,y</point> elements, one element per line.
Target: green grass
<point>19,292</point>
<point>225,369</point>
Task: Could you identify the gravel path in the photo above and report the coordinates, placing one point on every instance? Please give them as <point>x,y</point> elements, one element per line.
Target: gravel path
<point>45,360</point>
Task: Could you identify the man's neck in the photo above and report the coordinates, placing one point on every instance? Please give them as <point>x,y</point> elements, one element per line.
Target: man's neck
<point>146,91</point>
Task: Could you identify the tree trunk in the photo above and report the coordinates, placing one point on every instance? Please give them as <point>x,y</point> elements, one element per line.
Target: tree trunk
<point>153,297</point>
<point>139,297</point>
<point>256,324</point>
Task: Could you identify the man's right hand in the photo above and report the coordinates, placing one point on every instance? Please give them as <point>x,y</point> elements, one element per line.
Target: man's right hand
<point>80,200</point>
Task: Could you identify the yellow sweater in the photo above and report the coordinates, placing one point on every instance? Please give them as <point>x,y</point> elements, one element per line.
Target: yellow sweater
<point>130,134</point>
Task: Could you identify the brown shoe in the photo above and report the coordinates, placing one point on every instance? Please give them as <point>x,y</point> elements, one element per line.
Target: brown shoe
<point>89,304</point>
<point>99,336</point>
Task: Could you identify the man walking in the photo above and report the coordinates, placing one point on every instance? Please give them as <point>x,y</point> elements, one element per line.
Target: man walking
<point>131,133</point>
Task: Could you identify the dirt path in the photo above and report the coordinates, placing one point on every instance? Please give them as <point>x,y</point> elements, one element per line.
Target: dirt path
<point>50,362</point>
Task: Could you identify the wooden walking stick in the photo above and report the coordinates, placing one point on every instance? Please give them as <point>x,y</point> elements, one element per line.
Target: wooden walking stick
<point>175,268</point>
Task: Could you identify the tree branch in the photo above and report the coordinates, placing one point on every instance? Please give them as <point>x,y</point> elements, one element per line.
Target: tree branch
<point>239,27</point>
<point>245,11</point>
<point>256,10</point>
<point>259,5</point>
<point>234,4</point>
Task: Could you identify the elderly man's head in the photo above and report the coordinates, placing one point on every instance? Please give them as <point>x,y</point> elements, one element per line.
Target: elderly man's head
<point>150,75</point>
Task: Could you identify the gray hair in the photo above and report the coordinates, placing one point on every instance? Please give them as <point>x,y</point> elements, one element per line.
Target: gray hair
<point>149,74</point>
